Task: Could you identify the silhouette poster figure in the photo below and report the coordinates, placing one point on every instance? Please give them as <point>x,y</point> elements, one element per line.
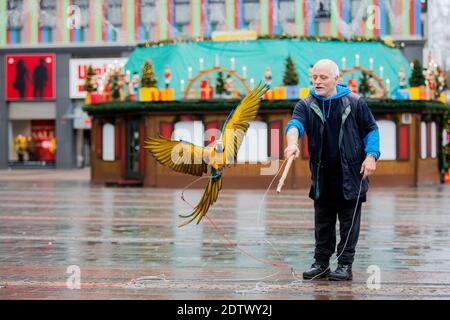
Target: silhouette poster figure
<point>40,77</point>
<point>21,78</point>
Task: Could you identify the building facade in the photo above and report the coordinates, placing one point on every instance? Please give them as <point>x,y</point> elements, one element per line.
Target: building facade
<point>61,31</point>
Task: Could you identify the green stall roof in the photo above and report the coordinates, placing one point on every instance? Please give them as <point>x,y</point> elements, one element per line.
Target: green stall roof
<point>258,54</point>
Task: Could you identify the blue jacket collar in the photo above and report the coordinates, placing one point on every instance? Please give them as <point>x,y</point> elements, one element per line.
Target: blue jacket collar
<point>342,91</point>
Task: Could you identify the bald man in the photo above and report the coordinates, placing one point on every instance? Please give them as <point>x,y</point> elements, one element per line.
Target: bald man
<point>343,141</point>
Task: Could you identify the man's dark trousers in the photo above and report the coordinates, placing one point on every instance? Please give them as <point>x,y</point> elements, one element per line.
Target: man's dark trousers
<point>325,230</point>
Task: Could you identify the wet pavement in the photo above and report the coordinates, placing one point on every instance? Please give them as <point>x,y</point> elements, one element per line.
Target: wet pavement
<point>126,243</point>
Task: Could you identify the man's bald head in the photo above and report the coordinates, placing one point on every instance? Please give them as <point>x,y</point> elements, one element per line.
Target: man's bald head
<point>327,65</point>
<point>325,77</point>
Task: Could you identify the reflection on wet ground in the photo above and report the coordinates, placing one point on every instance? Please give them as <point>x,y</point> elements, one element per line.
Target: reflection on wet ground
<point>127,244</point>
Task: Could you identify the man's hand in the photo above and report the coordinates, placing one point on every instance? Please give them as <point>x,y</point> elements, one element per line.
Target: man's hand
<point>368,166</point>
<point>291,150</point>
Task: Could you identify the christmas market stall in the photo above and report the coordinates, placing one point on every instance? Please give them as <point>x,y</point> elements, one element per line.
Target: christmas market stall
<point>185,91</point>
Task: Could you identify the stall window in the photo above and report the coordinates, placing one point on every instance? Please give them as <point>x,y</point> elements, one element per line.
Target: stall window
<point>433,140</point>
<point>254,145</point>
<point>276,139</point>
<point>108,142</point>
<point>403,142</point>
<point>189,131</point>
<point>388,139</point>
<point>423,140</point>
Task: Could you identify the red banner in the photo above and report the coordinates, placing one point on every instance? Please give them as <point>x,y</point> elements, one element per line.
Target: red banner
<point>30,77</point>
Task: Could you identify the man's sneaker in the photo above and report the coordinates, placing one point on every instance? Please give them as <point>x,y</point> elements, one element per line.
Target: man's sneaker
<point>317,271</point>
<point>343,272</point>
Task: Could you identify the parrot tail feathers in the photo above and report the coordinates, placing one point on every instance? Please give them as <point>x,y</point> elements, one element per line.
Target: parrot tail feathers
<point>209,197</point>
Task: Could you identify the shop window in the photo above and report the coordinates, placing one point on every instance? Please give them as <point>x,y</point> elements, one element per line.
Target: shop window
<point>33,140</point>
<point>81,8</point>
<point>251,14</point>
<point>182,10</point>
<point>287,11</point>
<point>423,140</point>
<point>388,139</point>
<point>15,14</point>
<point>114,12</point>
<point>189,131</point>
<point>322,9</point>
<point>216,10</point>
<point>108,142</point>
<point>147,17</point>
<point>113,19</point>
<point>254,144</point>
<point>47,20</point>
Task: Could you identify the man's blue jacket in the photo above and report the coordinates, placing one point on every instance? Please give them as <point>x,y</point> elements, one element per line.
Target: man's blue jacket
<point>358,137</point>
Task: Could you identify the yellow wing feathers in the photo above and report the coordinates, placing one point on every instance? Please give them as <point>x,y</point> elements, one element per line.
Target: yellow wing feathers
<point>187,158</point>
<point>180,156</point>
<point>237,125</point>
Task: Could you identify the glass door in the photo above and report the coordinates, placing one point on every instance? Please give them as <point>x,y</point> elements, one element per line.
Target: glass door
<point>132,150</point>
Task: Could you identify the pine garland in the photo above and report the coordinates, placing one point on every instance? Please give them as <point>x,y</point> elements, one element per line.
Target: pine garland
<point>387,43</point>
<point>201,106</point>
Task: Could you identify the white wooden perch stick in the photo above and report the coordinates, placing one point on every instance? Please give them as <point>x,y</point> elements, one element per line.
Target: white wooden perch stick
<point>285,172</point>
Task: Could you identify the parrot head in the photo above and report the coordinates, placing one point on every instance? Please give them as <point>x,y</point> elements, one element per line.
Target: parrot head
<point>218,147</point>
<point>217,155</point>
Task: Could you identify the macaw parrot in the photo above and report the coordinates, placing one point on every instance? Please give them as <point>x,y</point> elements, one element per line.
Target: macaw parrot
<point>186,157</point>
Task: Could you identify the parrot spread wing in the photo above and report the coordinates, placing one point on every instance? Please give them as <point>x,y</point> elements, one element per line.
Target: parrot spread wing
<point>237,124</point>
<point>209,197</point>
<point>185,157</point>
<point>181,156</point>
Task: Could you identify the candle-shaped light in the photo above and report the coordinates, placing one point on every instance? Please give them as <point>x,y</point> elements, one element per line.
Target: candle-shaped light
<point>343,63</point>
<point>252,83</point>
<point>412,65</point>
<point>381,72</point>
<point>244,72</point>
<point>189,72</point>
<point>232,60</point>
<point>128,75</point>
<point>201,63</point>
<point>217,61</point>
<point>388,85</point>
<point>357,60</point>
<point>371,63</point>
<point>181,85</point>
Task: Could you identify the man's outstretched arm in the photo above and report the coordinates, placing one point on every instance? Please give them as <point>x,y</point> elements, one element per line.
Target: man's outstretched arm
<point>294,130</point>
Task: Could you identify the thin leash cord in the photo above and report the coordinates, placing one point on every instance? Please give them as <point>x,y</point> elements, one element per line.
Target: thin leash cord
<point>228,240</point>
<point>249,255</point>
